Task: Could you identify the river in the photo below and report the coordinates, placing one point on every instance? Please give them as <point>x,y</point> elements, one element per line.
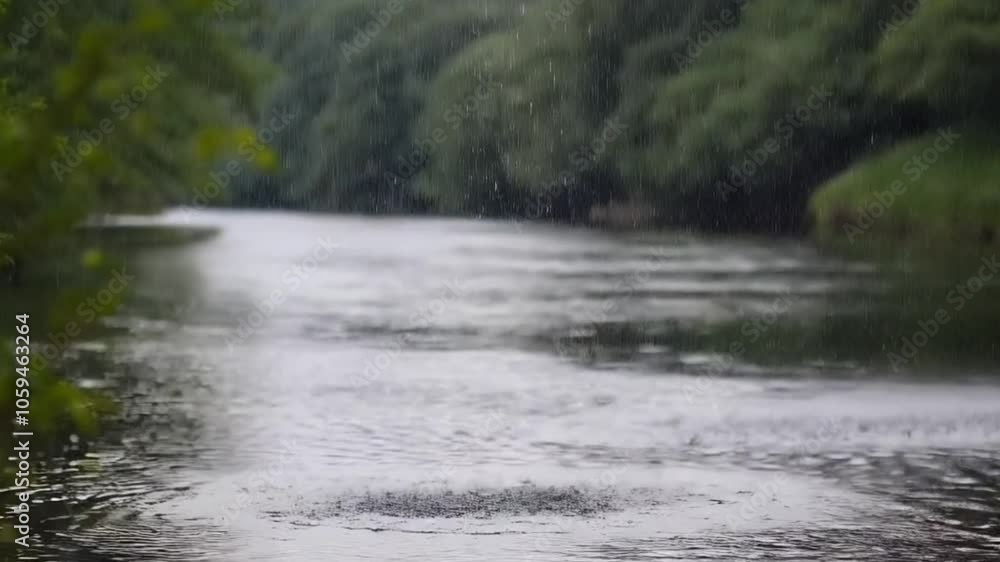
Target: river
<point>313,388</point>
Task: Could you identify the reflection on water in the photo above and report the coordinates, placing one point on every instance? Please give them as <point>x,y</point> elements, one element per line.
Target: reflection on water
<point>459,390</point>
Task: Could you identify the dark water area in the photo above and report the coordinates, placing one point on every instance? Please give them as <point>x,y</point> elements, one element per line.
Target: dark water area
<point>307,387</point>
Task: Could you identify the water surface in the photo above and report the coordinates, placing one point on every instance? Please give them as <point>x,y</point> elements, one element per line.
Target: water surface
<point>448,390</point>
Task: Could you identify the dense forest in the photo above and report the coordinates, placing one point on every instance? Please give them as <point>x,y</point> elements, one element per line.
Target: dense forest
<point>723,115</point>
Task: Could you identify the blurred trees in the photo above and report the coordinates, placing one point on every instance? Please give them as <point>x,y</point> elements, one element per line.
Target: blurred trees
<point>723,114</point>
<point>944,58</point>
<point>109,106</point>
<point>357,74</point>
<point>731,112</point>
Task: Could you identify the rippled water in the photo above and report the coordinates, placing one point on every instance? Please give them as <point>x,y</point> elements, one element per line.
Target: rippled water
<point>448,391</point>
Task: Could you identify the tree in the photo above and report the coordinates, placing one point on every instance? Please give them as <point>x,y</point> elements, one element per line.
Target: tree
<point>107,106</point>
<point>110,106</point>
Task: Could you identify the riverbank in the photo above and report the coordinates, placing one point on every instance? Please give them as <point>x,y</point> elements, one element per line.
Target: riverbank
<point>936,195</point>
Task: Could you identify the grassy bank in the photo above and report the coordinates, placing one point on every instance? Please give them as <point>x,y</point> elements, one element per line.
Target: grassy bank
<point>936,195</point>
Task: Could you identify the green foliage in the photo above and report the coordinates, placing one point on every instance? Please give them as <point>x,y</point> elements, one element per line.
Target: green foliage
<point>512,115</point>
<point>58,408</point>
<point>704,88</point>
<point>943,198</point>
<point>107,106</point>
<point>394,122</point>
<point>357,95</point>
<point>945,57</point>
<point>740,91</point>
<point>103,105</point>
